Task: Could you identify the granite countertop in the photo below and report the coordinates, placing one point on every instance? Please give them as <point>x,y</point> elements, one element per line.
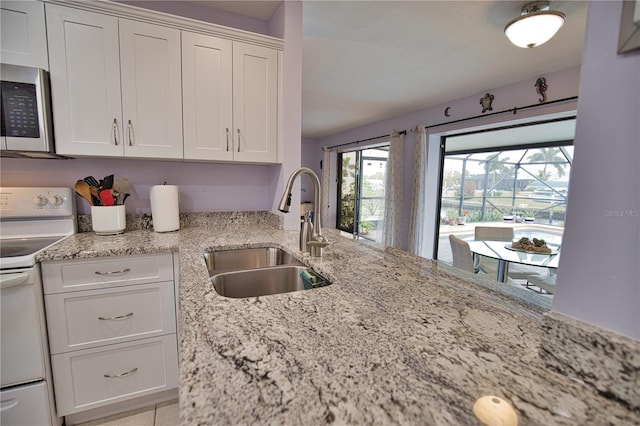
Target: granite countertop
<point>395,339</point>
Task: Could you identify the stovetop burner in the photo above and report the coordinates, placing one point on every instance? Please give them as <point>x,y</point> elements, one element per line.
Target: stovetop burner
<point>24,246</point>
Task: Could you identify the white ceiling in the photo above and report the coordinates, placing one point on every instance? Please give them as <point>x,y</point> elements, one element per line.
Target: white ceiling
<point>364,61</point>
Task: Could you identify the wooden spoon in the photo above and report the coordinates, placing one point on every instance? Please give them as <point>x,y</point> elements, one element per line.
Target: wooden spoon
<point>95,194</point>
<point>83,189</point>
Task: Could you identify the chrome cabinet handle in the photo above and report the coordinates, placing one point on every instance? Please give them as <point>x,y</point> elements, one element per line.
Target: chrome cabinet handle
<point>115,131</point>
<point>122,271</point>
<point>119,317</point>
<point>227,139</point>
<point>238,140</point>
<point>125,374</point>
<point>130,132</point>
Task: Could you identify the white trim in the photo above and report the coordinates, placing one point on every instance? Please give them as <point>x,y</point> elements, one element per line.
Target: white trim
<point>172,21</point>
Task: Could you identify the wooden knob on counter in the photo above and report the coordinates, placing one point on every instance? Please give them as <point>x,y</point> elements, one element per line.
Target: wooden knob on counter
<point>494,411</point>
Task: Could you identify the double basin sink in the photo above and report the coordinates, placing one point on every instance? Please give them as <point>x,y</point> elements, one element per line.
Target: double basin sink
<point>259,271</point>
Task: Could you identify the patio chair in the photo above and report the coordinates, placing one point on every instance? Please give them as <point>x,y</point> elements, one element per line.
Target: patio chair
<point>543,282</point>
<point>461,252</point>
<point>490,266</point>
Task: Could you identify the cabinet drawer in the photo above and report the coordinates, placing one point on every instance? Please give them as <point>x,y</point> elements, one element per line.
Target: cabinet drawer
<point>101,376</point>
<point>85,319</point>
<point>86,274</point>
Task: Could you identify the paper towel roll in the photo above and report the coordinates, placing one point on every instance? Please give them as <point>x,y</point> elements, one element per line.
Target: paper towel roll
<point>164,208</point>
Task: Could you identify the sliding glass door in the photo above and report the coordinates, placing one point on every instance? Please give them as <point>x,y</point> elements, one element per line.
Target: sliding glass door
<point>361,183</point>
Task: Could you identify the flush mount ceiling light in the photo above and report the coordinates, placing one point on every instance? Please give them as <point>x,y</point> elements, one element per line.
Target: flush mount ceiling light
<point>535,25</point>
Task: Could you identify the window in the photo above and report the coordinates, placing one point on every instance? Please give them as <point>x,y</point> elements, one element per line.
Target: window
<point>361,185</point>
<point>526,187</point>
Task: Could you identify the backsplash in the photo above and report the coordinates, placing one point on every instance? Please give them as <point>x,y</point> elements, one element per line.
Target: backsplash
<point>188,219</point>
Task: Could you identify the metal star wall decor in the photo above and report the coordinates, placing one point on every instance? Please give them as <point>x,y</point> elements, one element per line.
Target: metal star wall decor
<point>486,102</point>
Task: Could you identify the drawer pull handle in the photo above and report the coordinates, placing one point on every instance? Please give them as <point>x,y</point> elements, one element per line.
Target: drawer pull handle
<point>122,271</point>
<point>125,374</point>
<point>119,317</point>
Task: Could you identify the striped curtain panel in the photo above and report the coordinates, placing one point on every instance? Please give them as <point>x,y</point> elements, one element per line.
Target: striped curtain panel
<point>326,185</point>
<point>393,192</point>
<point>418,205</point>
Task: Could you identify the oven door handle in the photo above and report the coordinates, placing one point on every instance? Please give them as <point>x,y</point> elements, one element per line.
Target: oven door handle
<point>12,280</point>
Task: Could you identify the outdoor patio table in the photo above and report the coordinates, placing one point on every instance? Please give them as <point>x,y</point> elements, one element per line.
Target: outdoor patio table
<point>498,250</point>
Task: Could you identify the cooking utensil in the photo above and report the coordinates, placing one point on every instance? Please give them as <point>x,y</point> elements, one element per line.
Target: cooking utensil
<point>107,182</point>
<point>106,197</point>
<point>121,185</point>
<point>95,195</point>
<point>82,189</point>
<point>92,181</point>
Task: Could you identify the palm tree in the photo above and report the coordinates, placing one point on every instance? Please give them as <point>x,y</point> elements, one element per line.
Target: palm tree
<point>546,156</point>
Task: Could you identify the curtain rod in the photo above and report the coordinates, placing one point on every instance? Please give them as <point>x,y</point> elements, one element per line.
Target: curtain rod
<point>402,132</point>
<point>514,110</point>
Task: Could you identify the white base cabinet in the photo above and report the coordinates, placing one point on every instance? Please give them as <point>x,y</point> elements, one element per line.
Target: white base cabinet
<point>112,329</point>
<point>96,377</point>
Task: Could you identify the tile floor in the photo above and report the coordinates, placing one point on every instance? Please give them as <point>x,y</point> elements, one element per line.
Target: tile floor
<point>165,414</point>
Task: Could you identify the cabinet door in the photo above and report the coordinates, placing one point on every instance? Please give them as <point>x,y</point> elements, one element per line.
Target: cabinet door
<point>23,39</point>
<point>85,82</point>
<point>255,103</point>
<point>97,377</point>
<point>151,90</point>
<point>207,97</point>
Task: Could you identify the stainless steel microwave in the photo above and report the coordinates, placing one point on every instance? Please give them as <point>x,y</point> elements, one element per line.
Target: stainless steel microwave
<point>26,112</point>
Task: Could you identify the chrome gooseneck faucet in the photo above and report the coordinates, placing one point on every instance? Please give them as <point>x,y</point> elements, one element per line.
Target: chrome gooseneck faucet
<point>313,242</point>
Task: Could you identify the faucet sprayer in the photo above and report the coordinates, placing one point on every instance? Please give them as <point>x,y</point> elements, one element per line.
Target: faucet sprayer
<point>314,241</point>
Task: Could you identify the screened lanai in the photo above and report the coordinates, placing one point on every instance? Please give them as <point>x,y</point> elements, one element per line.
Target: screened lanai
<point>524,187</point>
<point>519,185</point>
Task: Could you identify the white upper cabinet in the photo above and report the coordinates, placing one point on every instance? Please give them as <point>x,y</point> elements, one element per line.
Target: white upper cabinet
<point>85,82</point>
<point>151,90</point>
<point>160,86</point>
<point>230,100</point>
<point>115,85</point>
<point>207,97</point>
<point>255,103</point>
<point>23,39</point>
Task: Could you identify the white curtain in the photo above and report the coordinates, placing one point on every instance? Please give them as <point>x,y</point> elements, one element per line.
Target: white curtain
<point>325,183</point>
<point>393,192</point>
<point>418,205</point>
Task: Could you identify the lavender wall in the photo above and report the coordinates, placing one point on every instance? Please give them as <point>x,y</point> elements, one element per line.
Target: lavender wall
<point>562,84</point>
<point>203,186</point>
<point>599,275</point>
<point>287,23</point>
<point>310,157</point>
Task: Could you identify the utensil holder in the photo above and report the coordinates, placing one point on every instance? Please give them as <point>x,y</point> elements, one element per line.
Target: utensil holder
<point>108,220</point>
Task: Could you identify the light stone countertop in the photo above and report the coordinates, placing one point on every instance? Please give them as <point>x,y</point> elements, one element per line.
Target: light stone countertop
<point>396,339</point>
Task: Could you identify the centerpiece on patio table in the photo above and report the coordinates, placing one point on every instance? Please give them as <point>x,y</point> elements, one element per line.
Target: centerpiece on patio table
<point>534,245</point>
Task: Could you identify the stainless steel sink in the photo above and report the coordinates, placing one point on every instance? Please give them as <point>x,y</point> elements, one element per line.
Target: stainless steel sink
<point>262,282</point>
<point>257,272</point>
<point>249,258</point>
